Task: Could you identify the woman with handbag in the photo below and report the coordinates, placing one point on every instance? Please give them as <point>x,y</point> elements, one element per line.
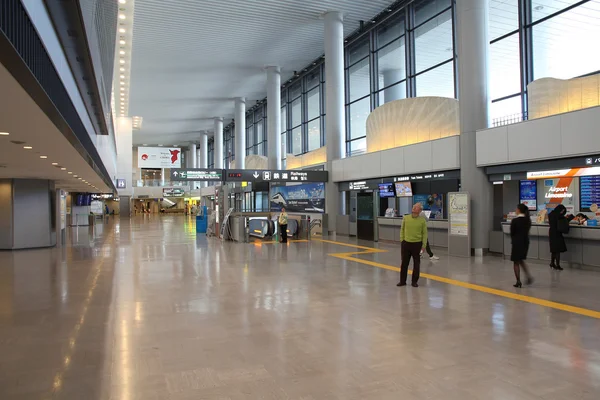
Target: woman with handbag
<point>519,234</point>
<point>559,225</point>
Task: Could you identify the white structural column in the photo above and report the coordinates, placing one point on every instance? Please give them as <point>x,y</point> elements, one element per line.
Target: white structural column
<point>193,156</point>
<point>240,133</point>
<point>203,150</point>
<point>335,122</point>
<point>472,33</point>
<point>218,143</point>
<point>274,116</point>
<point>395,92</point>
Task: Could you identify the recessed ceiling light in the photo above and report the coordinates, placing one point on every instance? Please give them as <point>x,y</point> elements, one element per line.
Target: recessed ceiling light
<point>122,69</point>
<point>122,52</point>
<point>122,61</point>
<point>79,178</point>
<point>121,42</point>
<point>63,169</point>
<point>122,30</point>
<point>74,176</point>
<point>122,89</point>
<point>122,1</point>
<point>121,16</point>
<point>54,163</point>
<point>122,83</point>
<point>4,133</point>
<point>43,156</point>
<point>27,147</point>
<point>70,173</point>
<point>122,77</point>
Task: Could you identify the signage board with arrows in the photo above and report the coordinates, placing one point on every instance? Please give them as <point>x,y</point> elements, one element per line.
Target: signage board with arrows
<point>253,175</point>
<point>196,174</point>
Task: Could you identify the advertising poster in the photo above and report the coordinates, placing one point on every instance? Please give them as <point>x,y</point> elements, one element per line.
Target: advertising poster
<point>298,198</point>
<point>159,157</point>
<point>528,194</point>
<point>458,204</point>
<point>552,192</point>
<point>431,202</point>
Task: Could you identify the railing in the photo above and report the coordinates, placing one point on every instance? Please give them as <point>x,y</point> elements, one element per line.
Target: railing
<point>510,119</point>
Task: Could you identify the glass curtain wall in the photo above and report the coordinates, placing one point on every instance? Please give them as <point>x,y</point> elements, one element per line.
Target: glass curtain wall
<point>228,144</point>
<point>533,39</point>
<point>302,113</point>
<point>409,54</point>
<point>211,153</point>
<point>256,130</point>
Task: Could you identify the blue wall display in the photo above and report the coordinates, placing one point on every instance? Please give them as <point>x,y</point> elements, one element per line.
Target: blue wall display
<point>306,197</point>
<point>528,194</point>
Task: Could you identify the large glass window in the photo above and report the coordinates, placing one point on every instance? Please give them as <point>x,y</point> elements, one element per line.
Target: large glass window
<point>425,9</point>
<point>313,104</point>
<point>297,141</point>
<point>314,134</point>
<point>359,77</point>
<point>437,82</point>
<point>296,112</point>
<point>503,17</point>
<point>566,45</point>
<point>433,42</point>
<point>358,113</point>
<point>505,67</point>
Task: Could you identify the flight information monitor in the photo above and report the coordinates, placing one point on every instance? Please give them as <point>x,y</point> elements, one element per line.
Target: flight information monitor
<point>589,191</point>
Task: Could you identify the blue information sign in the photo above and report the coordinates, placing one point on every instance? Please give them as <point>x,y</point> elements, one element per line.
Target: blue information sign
<point>528,194</point>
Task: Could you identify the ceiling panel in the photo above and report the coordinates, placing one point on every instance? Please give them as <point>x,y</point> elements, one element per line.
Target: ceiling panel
<point>190,58</point>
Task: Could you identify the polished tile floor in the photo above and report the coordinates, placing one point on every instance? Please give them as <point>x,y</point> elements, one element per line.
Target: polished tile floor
<point>148,310</point>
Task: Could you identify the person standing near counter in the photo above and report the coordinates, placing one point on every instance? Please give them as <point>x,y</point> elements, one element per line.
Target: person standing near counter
<point>413,238</point>
<point>559,224</point>
<point>283,223</point>
<point>519,235</point>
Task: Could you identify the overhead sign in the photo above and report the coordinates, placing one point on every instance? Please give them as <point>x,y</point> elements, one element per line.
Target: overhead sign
<point>429,176</point>
<point>159,157</point>
<point>592,160</point>
<point>196,174</point>
<point>173,192</point>
<point>121,183</point>
<point>360,185</point>
<point>252,175</point>
<point>560,173</point>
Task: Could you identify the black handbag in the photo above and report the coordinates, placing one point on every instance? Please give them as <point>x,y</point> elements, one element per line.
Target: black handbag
<point>563,225</point>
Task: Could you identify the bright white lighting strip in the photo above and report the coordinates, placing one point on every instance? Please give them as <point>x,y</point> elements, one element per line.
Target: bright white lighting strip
<point>122,69</point>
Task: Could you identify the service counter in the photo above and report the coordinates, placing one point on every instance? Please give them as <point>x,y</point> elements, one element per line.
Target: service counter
<point>583,244</point>
<point>437,230</point>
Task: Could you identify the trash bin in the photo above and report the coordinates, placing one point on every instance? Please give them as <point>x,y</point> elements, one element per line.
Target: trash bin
<point>202,221</point>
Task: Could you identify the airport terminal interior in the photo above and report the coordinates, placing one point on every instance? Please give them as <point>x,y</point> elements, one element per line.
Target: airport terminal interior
<point>299,200</point>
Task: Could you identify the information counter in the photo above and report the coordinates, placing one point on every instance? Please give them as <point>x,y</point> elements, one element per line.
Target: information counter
<point>437,230</point>
<point>583,244</point>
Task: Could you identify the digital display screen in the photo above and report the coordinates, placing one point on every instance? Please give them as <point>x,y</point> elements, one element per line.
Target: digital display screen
<point>589,191</point>
<point>386,190</point>
<point>404,189</point>
<point>233,175</point>
<point>528,194</point>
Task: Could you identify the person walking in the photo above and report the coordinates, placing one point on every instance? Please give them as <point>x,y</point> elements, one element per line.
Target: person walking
<point>559,224</point>
<point>283,223</point>
<point>413,238</point>
<point>519,235</point>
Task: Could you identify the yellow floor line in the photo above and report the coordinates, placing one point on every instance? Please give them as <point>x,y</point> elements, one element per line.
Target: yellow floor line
<point>480,288</point>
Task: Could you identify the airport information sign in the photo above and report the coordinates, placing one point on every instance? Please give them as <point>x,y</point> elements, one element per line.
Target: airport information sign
<point>196,174</point>
<point>253,175</point>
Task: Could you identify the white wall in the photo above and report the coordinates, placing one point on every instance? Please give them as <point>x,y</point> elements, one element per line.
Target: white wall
<point>124,134</point>
<point>434,155</point>
<point>559,136</point>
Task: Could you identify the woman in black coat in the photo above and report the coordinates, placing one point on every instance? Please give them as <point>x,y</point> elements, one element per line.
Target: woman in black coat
<point>557,220</point>
<point>519,234</point>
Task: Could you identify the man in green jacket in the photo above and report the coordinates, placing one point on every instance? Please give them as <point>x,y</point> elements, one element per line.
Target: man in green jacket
<point>413,238</point>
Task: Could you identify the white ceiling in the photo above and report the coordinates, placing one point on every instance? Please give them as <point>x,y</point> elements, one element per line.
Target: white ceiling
<point>25,122</point>
<point>190,58</point>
